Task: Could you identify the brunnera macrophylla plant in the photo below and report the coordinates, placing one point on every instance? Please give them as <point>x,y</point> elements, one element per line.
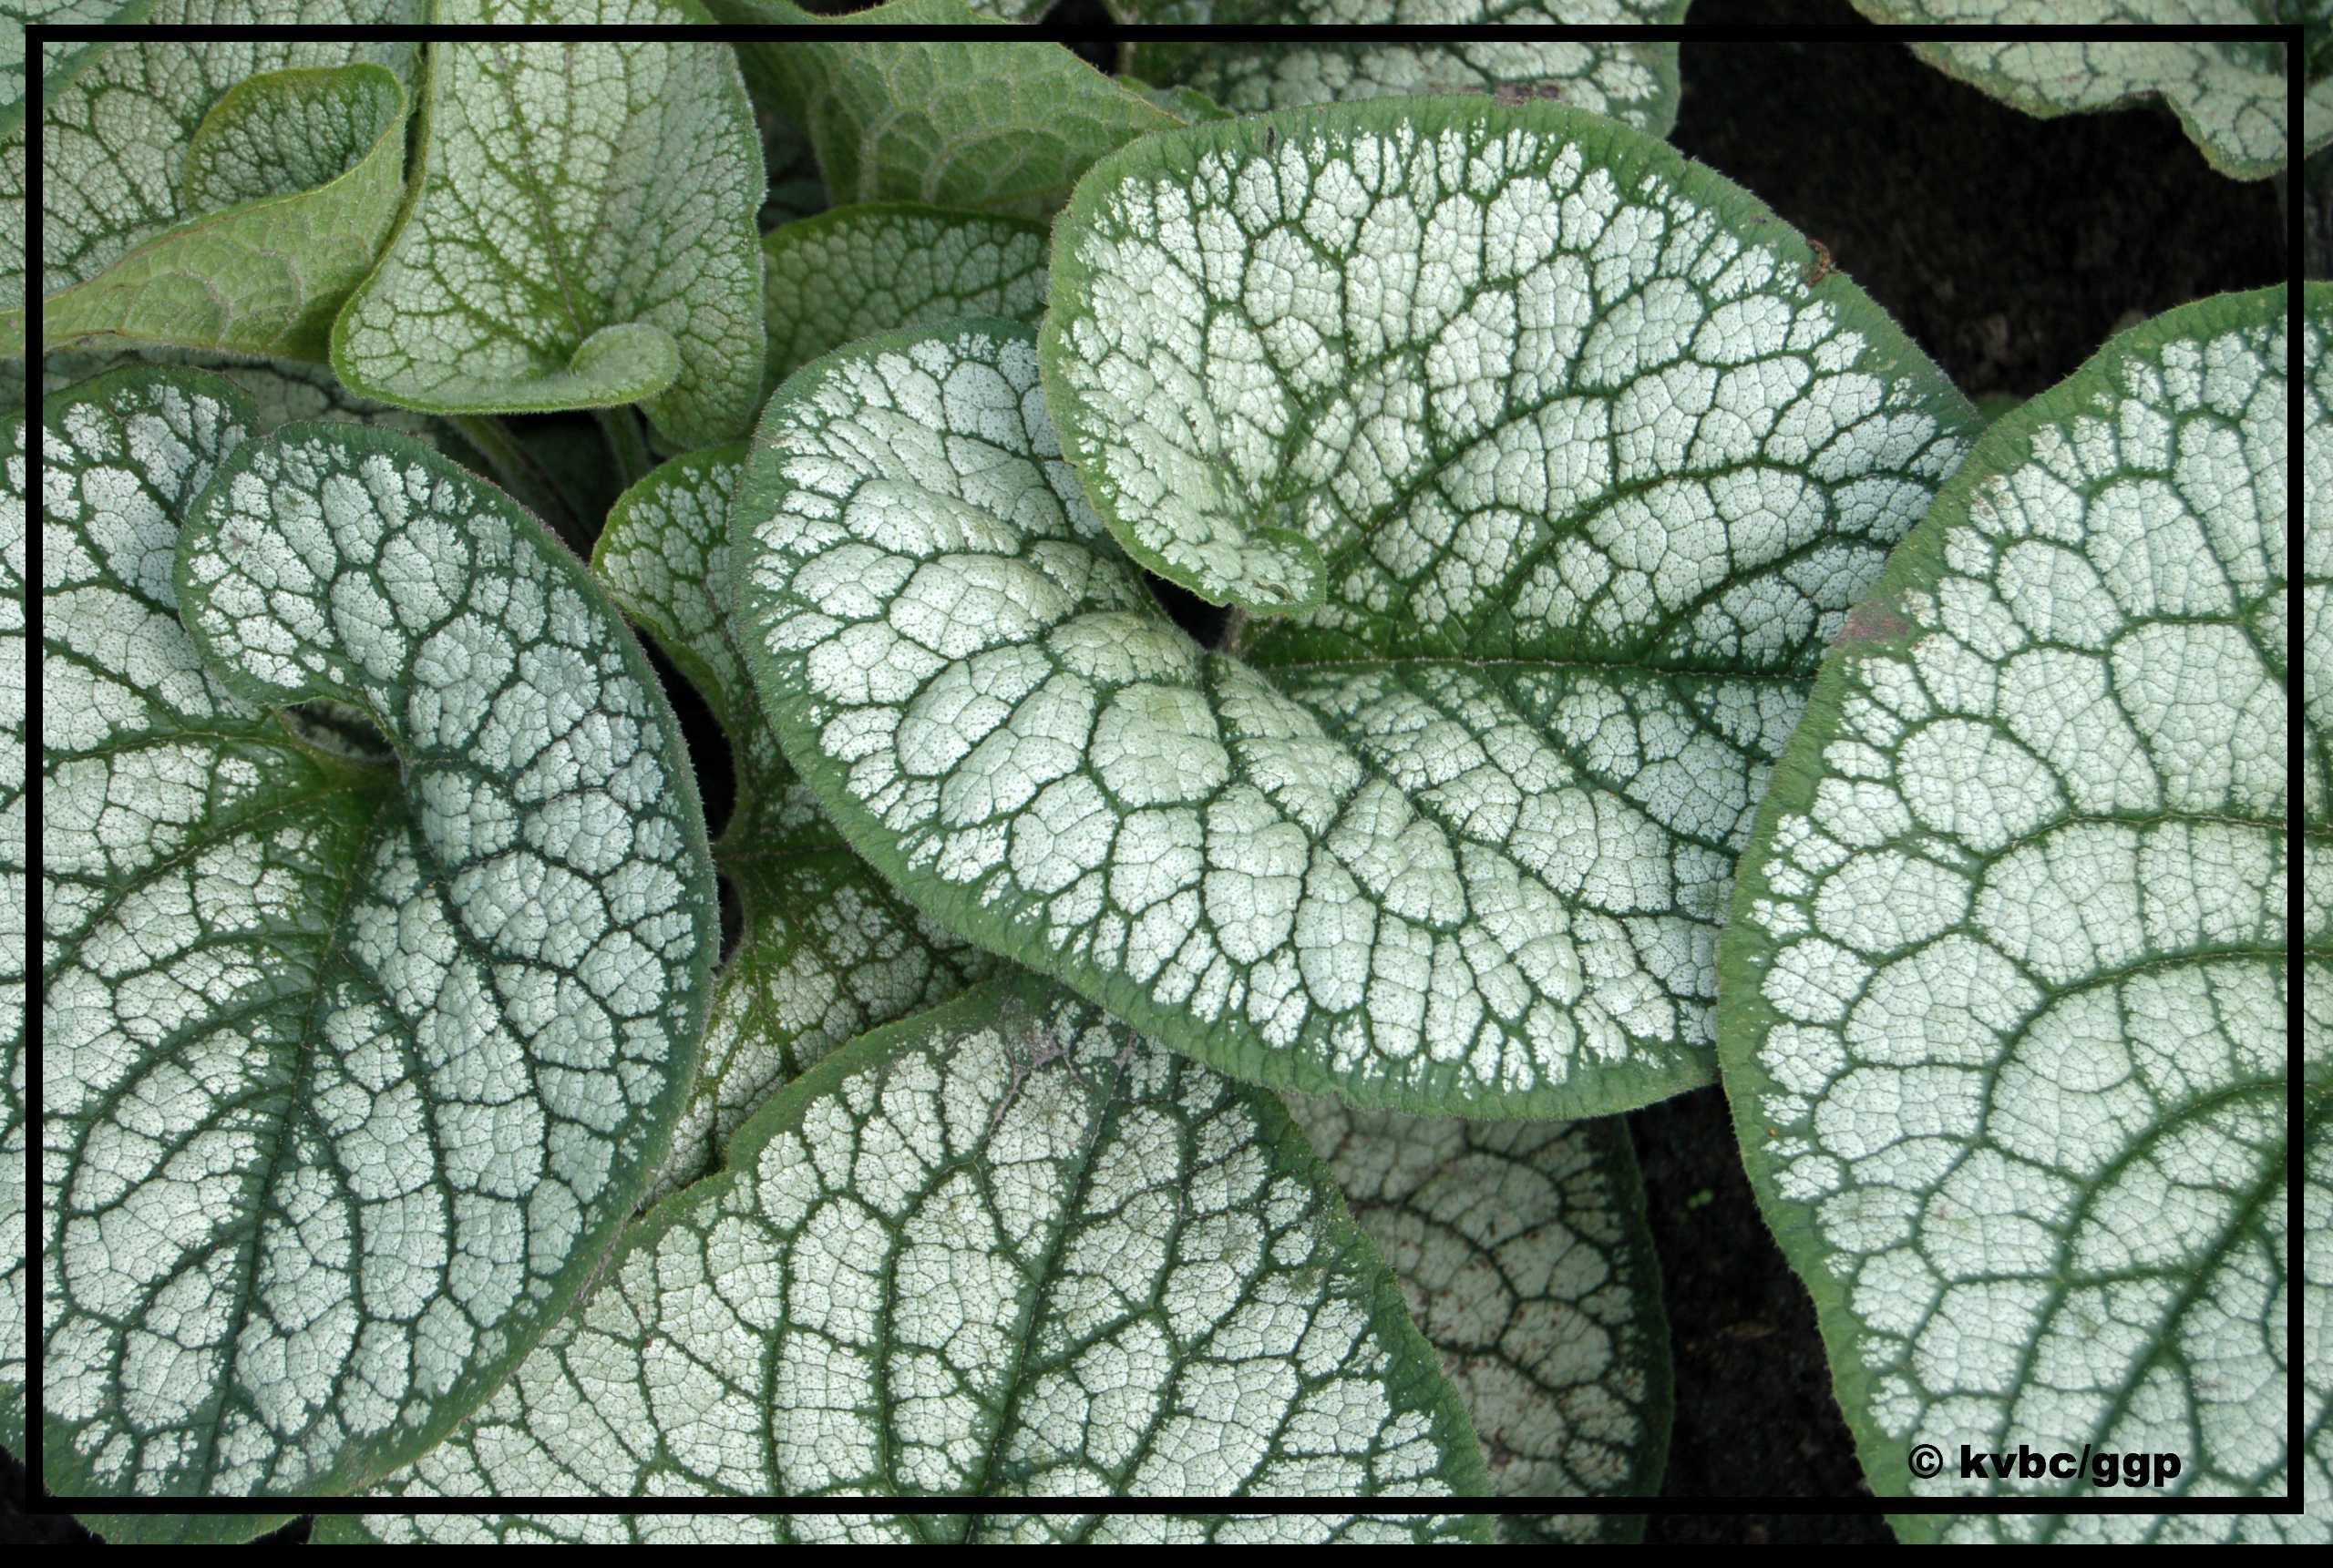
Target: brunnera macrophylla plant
<point>2005,992</point>
<point>1133,1067</point>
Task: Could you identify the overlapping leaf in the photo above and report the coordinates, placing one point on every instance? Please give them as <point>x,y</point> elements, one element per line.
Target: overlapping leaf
<point>1007,1247</point>
<point>826,950</point>
<point>1002,127</point>
<point>59,60</point>
<point>352,1063</point>
<point>2006,984</point>
<point>1521,1248</point>
<point>854,271</point>
<point>1635,83</point>
<point>2228,93</point>
<point>296,153</point>
<point>583,235</point>
<point>1585,475</point>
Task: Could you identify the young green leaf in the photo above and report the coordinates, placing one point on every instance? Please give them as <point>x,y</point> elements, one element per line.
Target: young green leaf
<point>16,928</point>
<point>1002,127</point>
<point>826,950</point>
<point>2005,987</point>
<point>1635,83</point>
<point>218,195</point>
<point>584,233</point>
<point>2228,92</point>
<point>1523,1250</point>
<point>351,1067</point>
<point>1005,1248</point>
<point>854,271</point>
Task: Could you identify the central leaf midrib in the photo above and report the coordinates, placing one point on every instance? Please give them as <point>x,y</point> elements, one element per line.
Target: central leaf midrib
<point>1106,1115</point>
<point>335,929</point>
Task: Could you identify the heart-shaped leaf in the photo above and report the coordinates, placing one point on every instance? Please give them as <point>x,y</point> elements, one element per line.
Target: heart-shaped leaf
<point>216,195</point>
<point>826,950</point>
<point>1634,83</point>
<point>1004,1248</point>
<point>1581,495</point>
<point>2007,979</point>
<point>357,1050</point>
<point>2228,92</point>
<point>1523,1250</point>
<point>854,271</point>
<point>583,233</point>
<point>1004,127</point>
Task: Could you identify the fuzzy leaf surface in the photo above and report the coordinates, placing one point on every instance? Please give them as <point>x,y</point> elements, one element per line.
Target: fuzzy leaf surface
<point>1523,1250</point>
<point>583,234</point>
<point>826,951</point>
<point>357,1048</point>
<point>854,271</point>
<point>2229,94</point>
<point>301,150</point>
<point>1005,1247</point>
<point>1634,83</point>
<point>2005,987</point>
<point>1002,127</point>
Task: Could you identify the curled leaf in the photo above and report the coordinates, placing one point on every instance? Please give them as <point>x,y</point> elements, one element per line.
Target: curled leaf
<point>582,235</point>
<point>354,1057</point>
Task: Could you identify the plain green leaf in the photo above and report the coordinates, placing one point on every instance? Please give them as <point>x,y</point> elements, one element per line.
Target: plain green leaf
<point>1523,1250</point>
<point>358,1044</point>
<point>1635,83</point>
<point>826,950</point>
<point>2005,987</point>
<point>1006,1247</point>
<point>1002,127</point>
<point>854,271</point>
<point>583,235</point>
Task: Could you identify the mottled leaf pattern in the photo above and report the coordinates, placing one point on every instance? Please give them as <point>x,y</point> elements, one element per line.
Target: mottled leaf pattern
<point>16,928</point>
<point>856,271</point>
<point>1523,1250</point>
<point>2006,979</point>
<point>1462,838</point>
<point>302,179</point>
<point>349,1071</point>
<point>1006,1247</point>
<point>2229,94</point>
<point>889,1530</point>
<point>584,232</point>
<point>59,60</point>
<point>1002,127</point>
<point>826,950</point>
<point>1635,83</point>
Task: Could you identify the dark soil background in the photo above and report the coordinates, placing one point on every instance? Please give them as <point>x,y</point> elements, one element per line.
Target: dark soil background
<point>2011,249</point>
